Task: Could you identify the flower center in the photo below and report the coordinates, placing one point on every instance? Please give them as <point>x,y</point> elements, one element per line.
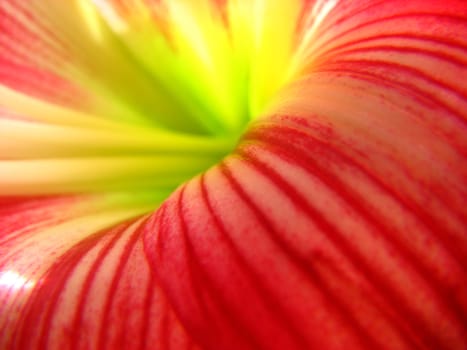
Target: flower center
<point>165,95</point>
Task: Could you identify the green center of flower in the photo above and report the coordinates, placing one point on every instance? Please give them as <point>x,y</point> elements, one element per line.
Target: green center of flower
<point>166,95</point>
<point>195,82</point>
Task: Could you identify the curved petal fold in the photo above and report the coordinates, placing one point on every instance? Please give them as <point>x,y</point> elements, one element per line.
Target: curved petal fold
<point>296,237</point>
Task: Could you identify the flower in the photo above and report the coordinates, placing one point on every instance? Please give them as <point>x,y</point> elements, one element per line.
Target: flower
<point>233,174</point>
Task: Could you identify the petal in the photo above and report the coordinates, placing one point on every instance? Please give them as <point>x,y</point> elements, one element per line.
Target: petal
<point>297,238</point>
<point>68,280</point>
<point>340,220</point>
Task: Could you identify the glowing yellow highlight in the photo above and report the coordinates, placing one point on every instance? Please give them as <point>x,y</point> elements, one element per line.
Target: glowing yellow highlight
<point>91,18</point>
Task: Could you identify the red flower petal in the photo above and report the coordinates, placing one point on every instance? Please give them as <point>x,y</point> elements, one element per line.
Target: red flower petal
<point>295,243</point>
<point>339,222</point>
